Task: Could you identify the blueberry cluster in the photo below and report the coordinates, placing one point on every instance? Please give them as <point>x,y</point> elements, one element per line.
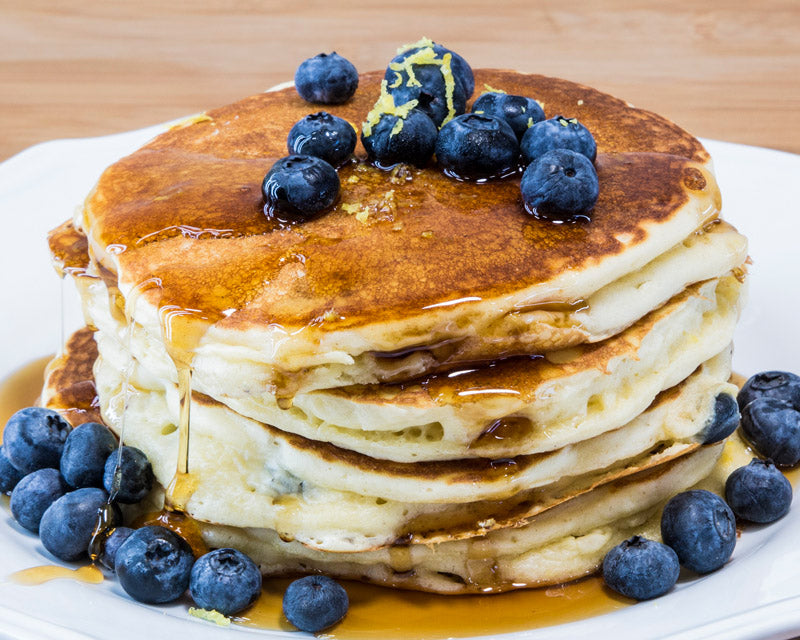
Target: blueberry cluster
<point>64,481</point>
<point>699,527</point>
<point>60,477</point>
<point>421,112</point>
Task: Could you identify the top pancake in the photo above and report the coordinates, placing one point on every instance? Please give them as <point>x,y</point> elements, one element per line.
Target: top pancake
<point>403,258</point>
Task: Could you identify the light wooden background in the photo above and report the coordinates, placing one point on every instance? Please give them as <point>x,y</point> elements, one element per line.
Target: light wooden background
<point>725,70</point>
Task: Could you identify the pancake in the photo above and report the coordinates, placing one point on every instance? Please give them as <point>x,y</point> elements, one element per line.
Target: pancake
<point>455,269</point>
<point>517,406</point>
<point>246,472</point>
<point>701,256</point>
<point>560,545</point>
<point>425,386</point>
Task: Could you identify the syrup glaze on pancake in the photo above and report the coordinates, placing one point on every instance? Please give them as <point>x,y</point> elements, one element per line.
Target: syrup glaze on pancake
<point>188,208</point>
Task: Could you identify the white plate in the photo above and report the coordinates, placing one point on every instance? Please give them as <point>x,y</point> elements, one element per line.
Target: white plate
<point>756,596</point>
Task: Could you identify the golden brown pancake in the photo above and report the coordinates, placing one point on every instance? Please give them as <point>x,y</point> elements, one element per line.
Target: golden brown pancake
<point>195,192</point>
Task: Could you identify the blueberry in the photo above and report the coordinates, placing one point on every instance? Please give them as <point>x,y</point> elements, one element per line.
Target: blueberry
<point>724,421</point>
<point>298,187</point>
<point>112,544</point>
<point>84,456</point>
<point>324,136</point>
<point>641,569</point>
<point>429,88</point>
<point>557,133</point>
<point>772,384</point>
<point>395,139</point>
<point>154,564</point>
<point>773,426</point>
<point>33,494</point>
<point>315,603</point>
<point>758,492</point>
<point>327,78</point>
<point>520,112</point>
<point>136,475</point>
<point>225,580</point>
<point>34,439</point>
<point>68,523</point>
<point>462,72</point>
<point>700,528</point>
<point>561,185</point>
<point>421,74</point>
<point>476,147</point>
<point>9,474</point>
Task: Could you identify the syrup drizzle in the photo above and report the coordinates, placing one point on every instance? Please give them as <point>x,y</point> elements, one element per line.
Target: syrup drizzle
<point>39,575</point>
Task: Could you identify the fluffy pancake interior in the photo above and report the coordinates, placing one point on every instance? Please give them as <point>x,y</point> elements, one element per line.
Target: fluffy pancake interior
<point>550,402</point>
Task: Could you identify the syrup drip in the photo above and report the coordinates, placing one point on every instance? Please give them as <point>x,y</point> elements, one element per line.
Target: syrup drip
<point>106,515</point>
<point>179,523</point>
<point>511,428</point>
<point>39,575</point>
<point>183,485</point>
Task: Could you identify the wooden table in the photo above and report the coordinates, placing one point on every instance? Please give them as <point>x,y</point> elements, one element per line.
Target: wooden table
<point>731,71</point>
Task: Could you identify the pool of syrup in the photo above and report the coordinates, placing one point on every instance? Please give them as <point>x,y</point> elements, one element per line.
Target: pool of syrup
<point>375,612</point>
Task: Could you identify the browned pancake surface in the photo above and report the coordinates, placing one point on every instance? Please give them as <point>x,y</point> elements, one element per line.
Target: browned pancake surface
<point>187,208</point>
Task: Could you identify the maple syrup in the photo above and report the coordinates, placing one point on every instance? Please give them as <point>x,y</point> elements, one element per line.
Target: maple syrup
<point>179,523</point>
<point>379,612</point>
<point>39,575</point>
<point>21,388</point>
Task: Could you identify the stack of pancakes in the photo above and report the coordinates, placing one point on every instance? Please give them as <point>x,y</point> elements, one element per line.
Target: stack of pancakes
<point>424,387</point>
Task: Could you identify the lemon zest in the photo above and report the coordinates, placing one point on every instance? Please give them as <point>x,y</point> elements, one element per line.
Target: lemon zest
<point>186,122</point>
<point>422,42</point>
<point>386,106</point>
<point>427,55</point>
<point>210,615</point>
<point>492,89</point>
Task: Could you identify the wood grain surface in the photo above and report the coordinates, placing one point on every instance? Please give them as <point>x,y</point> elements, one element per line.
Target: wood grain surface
<point>725,70</point>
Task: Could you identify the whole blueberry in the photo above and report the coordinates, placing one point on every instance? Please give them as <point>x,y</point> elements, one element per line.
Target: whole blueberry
<point>154,564</point>
<point>429,88</point>
<point>33,494</point>
<point>323,135</point>
<point>724,421</point>
<point>299,187</point>
<point>394,139</point>
<point>462,72</point>
<point>68,523</point>
<point>520,112</point>
<point>773,426</point>
<point>758,492</point>
<point>34,439</point>
<point>315,603</point>
<point>771,384</point>
<point>327,78</point>
<point>112,544</point>
<point>476,147</point>
<point>85,452</point>
<point>641,569</point>
<point>225,580</point>
<point>700,528</point>
<point>9,474</point>
<point>136,475</point>
<point>561,185</point>
<point>557,133</point>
